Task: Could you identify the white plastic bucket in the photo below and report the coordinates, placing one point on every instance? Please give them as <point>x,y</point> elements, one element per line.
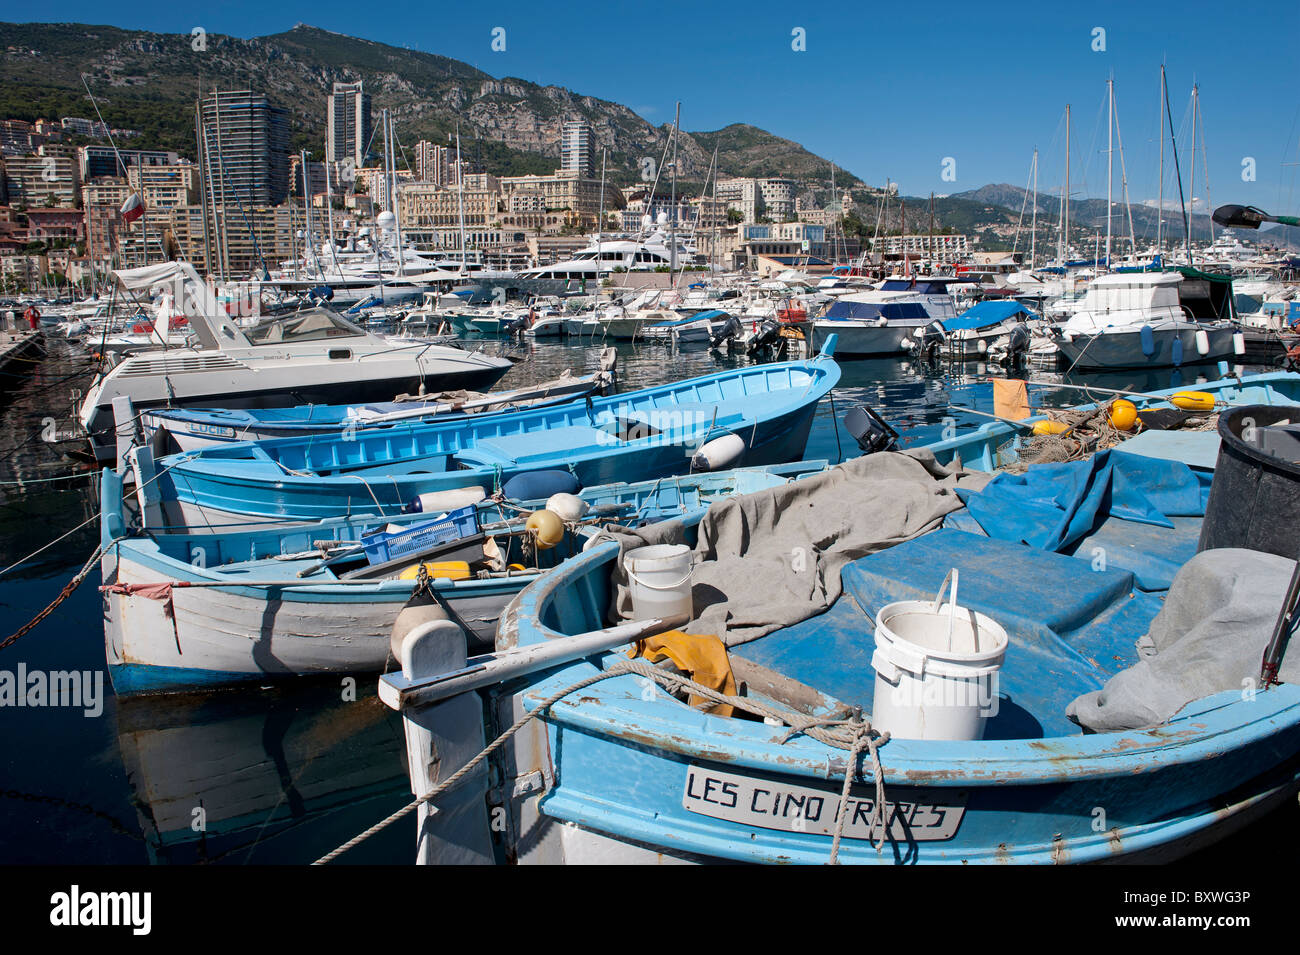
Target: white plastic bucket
<point>936,669</point>
<point>659,580</point>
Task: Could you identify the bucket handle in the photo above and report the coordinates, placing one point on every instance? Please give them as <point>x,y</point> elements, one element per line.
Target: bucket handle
<point>673,586</point>
<point>952,609</point>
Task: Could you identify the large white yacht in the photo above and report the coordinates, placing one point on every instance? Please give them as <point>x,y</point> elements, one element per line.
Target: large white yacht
<point>1149,319</point>
<point>311,356</point>
<point>615,253</point>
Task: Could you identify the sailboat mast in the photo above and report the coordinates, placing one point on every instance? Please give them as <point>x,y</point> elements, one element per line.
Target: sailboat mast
<point>329,214</point>
<point>199,134</point>
<point>1065,201</point>
<point>460,200</point>
<point>1182,201</point>
<point>672,225</point>
<point>1110,157</point>
<point>600,221</point>
<point>390,146</point>
<point>1033,228</point>
<point>1160,202</point>
<point>1191,182</point>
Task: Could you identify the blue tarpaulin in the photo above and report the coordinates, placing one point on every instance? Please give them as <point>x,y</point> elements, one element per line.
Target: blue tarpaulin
<point>985,314</point>
<point>1054,506</point>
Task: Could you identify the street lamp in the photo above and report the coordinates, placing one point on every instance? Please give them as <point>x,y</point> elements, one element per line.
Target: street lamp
<point>1248,217</point>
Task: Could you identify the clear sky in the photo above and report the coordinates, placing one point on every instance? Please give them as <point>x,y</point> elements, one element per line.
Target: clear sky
<point>883,90</point>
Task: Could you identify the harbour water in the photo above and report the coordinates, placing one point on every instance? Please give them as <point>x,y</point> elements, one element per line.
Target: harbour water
<point>284,774</point>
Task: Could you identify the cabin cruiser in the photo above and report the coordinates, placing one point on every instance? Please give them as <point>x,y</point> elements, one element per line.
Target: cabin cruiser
<point>618,253</point>
<point>311,356</point>
<point>1151,320</point>
<point>880,321</point>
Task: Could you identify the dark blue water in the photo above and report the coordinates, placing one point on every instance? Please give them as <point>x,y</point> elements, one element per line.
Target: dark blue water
<point>284,775</point>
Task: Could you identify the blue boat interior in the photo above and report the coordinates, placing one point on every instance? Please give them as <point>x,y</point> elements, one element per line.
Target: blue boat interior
<point>1073,560</point>
<point>680,411</point>
<point>1071,627</point>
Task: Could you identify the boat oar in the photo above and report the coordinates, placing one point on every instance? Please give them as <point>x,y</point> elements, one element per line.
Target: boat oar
<point>397,691</point>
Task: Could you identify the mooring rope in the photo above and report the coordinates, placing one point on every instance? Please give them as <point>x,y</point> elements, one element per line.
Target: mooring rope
<point>857,734</point>
<point>64,594</point>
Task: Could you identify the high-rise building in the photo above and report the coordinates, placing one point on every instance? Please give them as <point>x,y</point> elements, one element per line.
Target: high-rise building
<point>247,144</point>
<point>576,153</point>
<point>348,124</point>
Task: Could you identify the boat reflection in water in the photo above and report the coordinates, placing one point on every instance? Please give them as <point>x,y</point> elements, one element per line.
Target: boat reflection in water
<point>275,776</point>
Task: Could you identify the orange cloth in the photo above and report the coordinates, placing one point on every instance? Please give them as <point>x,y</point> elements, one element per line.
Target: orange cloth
<point>702,657</point>
<point>1010,399</point>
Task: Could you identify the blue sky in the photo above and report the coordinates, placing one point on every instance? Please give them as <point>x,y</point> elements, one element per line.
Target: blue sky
<point>884,90</point>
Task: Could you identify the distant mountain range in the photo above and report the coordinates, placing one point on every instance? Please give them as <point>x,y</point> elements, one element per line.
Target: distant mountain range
<point>508,126</point>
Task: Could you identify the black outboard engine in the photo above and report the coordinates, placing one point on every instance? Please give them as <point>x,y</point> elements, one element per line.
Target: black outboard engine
<point>870,430</point>
<point>1017,346</point>
<point>768,335</point>
<point>730,329</point>
<point>932,340</point>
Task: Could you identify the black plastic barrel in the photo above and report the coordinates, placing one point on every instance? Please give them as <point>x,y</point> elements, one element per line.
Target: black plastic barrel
<point>1255,497</point>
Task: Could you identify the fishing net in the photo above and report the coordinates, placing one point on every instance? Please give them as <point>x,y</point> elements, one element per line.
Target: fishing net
<point>1089,430</point>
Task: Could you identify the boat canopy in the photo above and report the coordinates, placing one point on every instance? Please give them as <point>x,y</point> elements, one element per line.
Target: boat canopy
<point>1207,296</point>
<point>984,314</point>
<point>145,277</point>
<point>919,286</point>
<point>868,311</point>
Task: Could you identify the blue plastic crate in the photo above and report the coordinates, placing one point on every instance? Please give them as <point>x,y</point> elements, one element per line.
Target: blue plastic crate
<point>382,547</point>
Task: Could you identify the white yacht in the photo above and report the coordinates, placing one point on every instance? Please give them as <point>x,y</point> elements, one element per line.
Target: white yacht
<point>311,356</point>
<point>1148,320</point>
<point>625,253</point>
<point>880,321</point>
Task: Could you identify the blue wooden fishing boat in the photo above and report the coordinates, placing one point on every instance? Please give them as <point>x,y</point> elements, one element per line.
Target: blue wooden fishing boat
<point>742,417</point>
<point>190,429</point>
<point>189,608</point>
<point>1073,562</point>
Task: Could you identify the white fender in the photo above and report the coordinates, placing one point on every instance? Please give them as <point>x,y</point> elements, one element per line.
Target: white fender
<point>1202,342</point>
<point>719,454</point>
<point>568,507</point>
<point>440,501</point>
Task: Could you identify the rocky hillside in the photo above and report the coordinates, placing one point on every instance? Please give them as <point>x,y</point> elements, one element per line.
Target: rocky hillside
<point>149,81</point>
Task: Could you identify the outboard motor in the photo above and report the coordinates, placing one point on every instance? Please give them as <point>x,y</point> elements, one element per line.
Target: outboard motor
<point>768,335</point>
<point>1017,346</point>
<point>932,338</point>
<point>870,430</point>
<point>730,329</point>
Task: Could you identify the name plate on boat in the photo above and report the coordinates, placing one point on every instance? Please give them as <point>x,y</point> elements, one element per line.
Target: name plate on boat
<point>769,804</point>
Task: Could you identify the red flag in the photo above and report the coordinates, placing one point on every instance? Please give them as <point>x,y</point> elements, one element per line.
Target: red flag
<point>133,208</point>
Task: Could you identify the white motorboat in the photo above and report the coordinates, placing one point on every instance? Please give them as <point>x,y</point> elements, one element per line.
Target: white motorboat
<point>880,321</point>
<point>311,356</point>
<point>1150,320</point>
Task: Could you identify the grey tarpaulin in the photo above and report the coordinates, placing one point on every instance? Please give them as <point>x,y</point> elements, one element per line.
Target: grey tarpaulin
<point>1209,637</point>
<point>770,559</point>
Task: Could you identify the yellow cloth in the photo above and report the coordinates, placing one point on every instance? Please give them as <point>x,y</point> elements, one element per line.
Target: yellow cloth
<point>702,657</point>
<point>1010,399</point>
